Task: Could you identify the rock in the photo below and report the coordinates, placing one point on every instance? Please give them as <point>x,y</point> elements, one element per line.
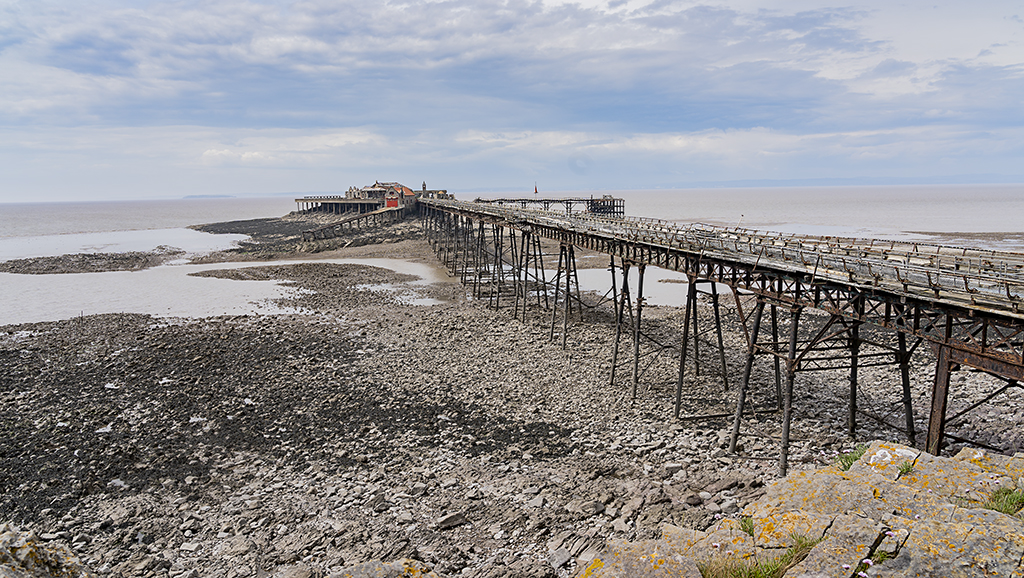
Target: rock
<point>848,541</point>
<point>729,507</point>
<point>666,558</point>
<point>870,503</point>
<point>309,417</point>
<point>144,564</point>
<point>721,485</point>
<point>293,571</point>
<point>451,520</point>
<point>23,554</point>
<point>905,522</point>
<point>559,558</point>
<point>620,525</point>
<point>189,547</point>
<point>376,569</point>
<point>673,468</point>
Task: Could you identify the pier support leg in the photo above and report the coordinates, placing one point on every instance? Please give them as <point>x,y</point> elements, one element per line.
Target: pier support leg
<point>524,256</point>
<point>721,342</point>
<point>620,312</point>
<point>745,380</point>
<point>479,260</point>
<point>696,335</point>
<point>636,329</point>
<point>558,279</point>
<point>539,275</point>
<point>908,405</point>
<point>851,418</point>
<point>516,271</point>
<point>691,297</point>
<point>570,266</point>
<point>940,396</point>
<point>787,400</point>
<point>498,277</point>
<point>775,358</point>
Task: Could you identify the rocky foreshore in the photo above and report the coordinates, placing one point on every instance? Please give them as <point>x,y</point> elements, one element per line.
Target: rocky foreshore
<point>371,430</point>
<point>90,262</point>
<point>894,512</point>
<point>276,236</point>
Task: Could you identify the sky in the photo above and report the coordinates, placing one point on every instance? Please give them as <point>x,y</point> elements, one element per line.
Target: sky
<point>109,99</point>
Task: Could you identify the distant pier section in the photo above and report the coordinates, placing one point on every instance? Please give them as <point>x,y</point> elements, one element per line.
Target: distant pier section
<point>369,198</point>
<point>337,204</point>
<point>366,207</point>
<point>605,205</point>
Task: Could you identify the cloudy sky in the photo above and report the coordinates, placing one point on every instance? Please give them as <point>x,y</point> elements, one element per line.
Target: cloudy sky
<point>145,99</point>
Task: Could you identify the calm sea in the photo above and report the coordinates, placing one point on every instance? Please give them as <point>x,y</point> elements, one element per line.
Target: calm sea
<point>987,216</point>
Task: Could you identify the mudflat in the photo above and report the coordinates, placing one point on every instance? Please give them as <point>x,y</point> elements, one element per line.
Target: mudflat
<point>374,428</point>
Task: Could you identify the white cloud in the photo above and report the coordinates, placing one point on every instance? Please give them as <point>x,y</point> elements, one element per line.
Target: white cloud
<point>505,89</point>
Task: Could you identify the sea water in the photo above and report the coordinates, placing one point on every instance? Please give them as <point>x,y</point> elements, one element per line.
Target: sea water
<point>172,291</point>
<point>989,215</point>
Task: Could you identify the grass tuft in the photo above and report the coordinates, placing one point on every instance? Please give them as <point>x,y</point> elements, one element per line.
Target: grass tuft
<point>1005,500</point>
<point>880,556</point>
<point>904,469</point>
<point>747,525</point>
<point>724,566</point>
<point>845,461</point>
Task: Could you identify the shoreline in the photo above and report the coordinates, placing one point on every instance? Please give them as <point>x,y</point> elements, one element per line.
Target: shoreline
<point>281,238</point>
<point>374,429</point>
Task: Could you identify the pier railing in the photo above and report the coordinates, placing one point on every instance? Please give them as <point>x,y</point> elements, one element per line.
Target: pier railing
<point>964,302</point>
<point>357,222</point>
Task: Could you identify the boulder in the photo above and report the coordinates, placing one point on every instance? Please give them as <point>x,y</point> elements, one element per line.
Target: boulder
<point>896,512</point>
<point>377,569</point>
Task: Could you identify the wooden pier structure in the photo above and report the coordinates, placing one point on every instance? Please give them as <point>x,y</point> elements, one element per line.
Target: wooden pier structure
<point>337,205</point>
<point>356,222</point>
<point>880,300</point>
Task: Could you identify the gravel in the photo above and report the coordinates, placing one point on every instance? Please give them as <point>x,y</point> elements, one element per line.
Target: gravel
<point>375,429</point>
<point>90,262</point>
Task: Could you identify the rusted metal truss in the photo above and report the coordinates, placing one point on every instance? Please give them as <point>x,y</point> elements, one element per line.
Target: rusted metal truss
<point>964,303</point>
<point>607,206</point>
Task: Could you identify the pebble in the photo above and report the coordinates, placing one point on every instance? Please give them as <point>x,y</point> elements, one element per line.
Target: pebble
<point>559,558</point>
<point>451,520</point>
<point>362,466</point>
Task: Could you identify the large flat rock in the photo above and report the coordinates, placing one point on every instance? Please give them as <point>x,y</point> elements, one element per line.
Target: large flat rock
<point>896,512</point>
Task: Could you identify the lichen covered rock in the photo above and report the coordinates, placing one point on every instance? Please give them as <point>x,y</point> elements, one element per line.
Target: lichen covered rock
<point>24,555</point>
<point>896,512</point>
<point>397,569</point>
